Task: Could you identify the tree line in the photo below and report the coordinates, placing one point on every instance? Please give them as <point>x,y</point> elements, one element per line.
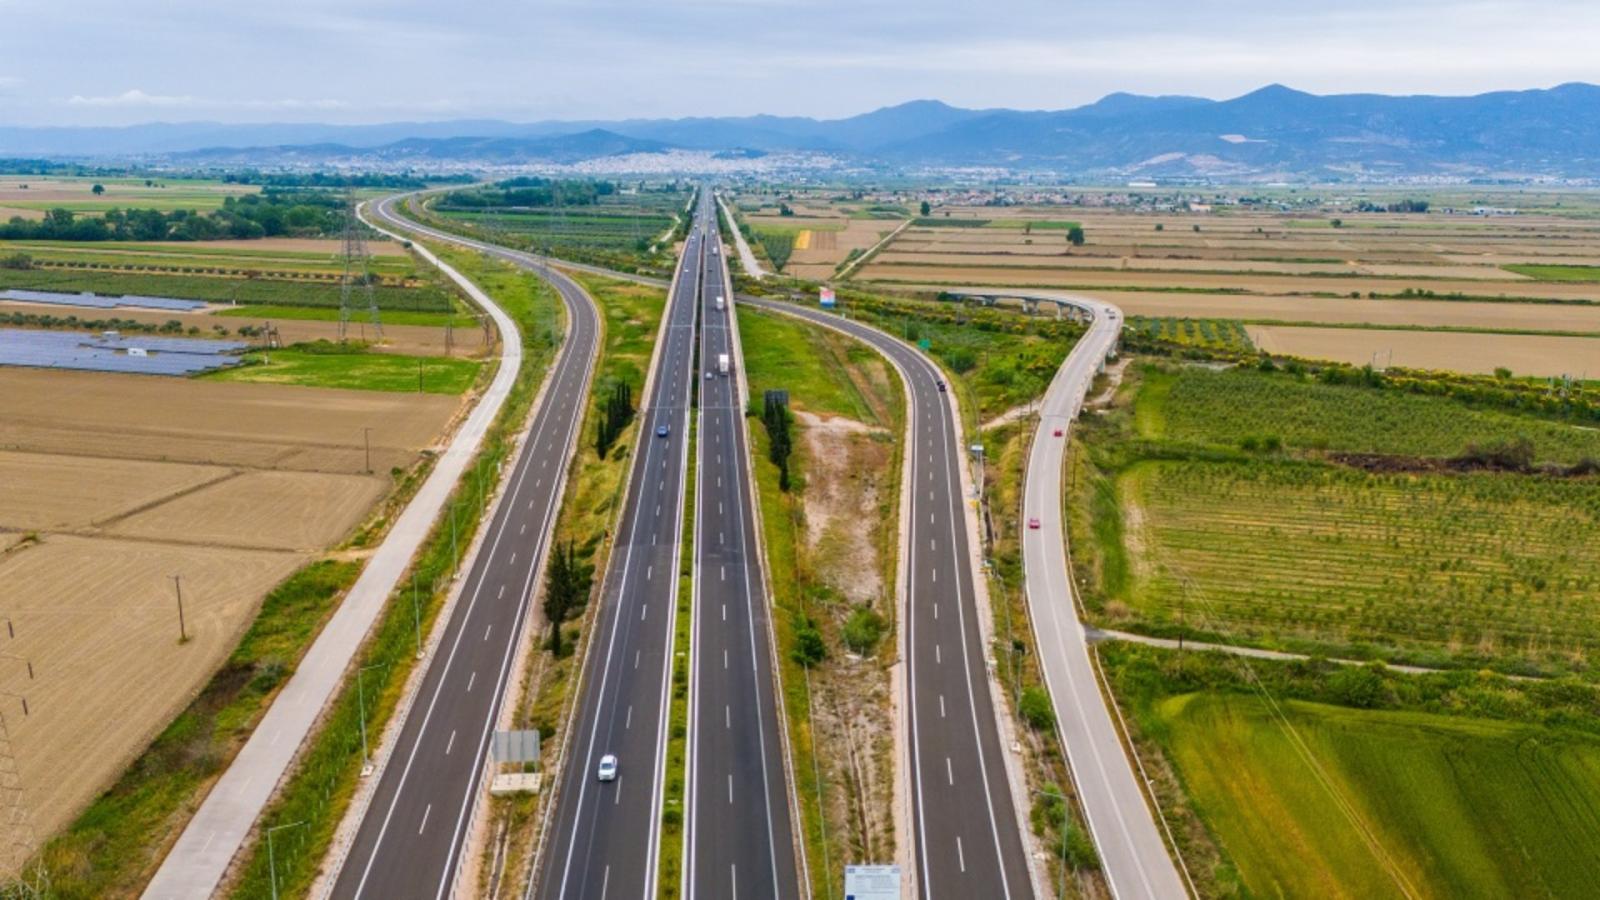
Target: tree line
<point>268,214</point>
<point>531,192</point>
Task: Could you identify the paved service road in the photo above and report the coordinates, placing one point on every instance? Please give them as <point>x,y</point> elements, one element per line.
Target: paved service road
<point>409,842</point>
<point>1132,853</point>
<point>964,823</point>
<point>200,858</point>
<point>740,835</point>
<point>604,838</point>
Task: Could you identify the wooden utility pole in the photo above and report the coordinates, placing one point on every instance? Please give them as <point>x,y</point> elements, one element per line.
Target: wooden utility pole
<point>177,588</point>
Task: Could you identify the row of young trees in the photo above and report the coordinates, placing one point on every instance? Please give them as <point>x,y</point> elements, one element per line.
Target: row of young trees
<point>616,415</point>
<point>775,415</point>
<point>566,591</point>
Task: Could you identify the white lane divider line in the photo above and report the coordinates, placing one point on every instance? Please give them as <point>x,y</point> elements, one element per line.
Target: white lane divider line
<point>450,744</point>
<point>425,812</point>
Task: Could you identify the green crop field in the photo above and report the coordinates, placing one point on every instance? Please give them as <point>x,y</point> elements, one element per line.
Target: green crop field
<point>1212,334</point>
<point>1214,503</point>
<point>1307,553</point>
<point>1460,807</point>
<point>1200,405</point>
<point>179,256</point>
<point>1555,272</point>
<point>355,370</point>
<point>272,291</point>
<point>77,194</point>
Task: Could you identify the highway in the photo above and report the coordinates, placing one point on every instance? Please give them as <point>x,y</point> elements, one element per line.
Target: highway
<point>199,860</point>
<point>1132,854</point>
<point>966,836</point>
<point>739,839</point>
<point>604,836</point>
<point>409,842</point>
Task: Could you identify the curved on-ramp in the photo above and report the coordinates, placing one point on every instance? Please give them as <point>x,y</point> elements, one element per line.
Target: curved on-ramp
<point>1133,855</point>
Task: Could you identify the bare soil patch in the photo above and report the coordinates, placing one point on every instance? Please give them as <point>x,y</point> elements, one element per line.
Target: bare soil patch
<point>98,619</point>
<point>301,511</point>
<point>844,497</point>
<point>1540,355</point>
<point>256,425</point>
<point>54,493</point>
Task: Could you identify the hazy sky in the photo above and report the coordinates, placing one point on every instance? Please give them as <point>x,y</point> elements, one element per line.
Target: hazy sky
<point>122,61</point>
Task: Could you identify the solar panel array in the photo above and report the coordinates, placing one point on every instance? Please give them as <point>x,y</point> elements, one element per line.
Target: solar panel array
<point>110,352</point>
<point>97,301</point>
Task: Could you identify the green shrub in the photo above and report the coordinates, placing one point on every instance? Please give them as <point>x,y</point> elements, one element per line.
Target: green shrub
<point>862,630</point>
<point>1036,709</point>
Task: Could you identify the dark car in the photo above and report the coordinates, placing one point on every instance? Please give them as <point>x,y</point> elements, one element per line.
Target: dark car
<point>941,386</point>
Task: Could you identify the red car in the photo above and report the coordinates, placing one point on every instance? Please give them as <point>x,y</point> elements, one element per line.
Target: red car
<point>1058,432</point>
<point>1033,524</point>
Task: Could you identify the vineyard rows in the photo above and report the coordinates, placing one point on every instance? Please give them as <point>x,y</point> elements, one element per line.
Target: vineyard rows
<point>1224,407</point>
<point>1287,550</point>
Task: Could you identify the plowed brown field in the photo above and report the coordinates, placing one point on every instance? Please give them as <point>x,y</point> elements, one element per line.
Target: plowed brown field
<point>112,484</point>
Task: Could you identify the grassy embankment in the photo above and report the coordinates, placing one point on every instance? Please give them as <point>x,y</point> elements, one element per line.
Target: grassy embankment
<point>631,316</point>
<point>845,792</point>
<point>1359,521</point>
<point>1337,782</point>
<point>324,781</point>
<point>1000,359</point>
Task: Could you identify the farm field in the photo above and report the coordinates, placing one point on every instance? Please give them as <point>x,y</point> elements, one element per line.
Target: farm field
<point>620,228</point>
<point>1524,354</point>
<point>820,236</point>
<point>45,192</point>
<point>1298,554</point>
<point>124,482</point>
<point>1555,317</point>
<point>1198,405</point>
<point>1461,807</point>
<point>1273,510</point>
<point>325,365</point>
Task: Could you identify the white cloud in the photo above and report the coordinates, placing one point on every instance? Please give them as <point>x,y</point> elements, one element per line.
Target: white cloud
<point>136,97</point>
<point>133,97</point>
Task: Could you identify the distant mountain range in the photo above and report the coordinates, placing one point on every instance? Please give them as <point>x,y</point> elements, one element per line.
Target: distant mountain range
<point>1269,133</point>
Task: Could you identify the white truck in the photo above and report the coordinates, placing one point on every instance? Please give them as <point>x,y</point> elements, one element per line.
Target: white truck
<point>722,363</point>
<point>720,303</point>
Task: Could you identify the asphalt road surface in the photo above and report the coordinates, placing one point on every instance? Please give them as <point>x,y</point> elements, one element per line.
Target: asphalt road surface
<point>740,835</point>
<point>409,842</point>
<point>965,831</point>
<point>604,839</point>
<point>1132,854</point>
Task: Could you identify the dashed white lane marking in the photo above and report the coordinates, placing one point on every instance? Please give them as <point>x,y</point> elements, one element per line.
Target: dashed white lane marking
<point>636,658</point>
<point>471,680</point>
<point>425,812</point>
<point>487,628</point>
<point>941,706</point>
<point>450,744</point>
<point>961,856</point>
<point>949,773</point>
<point>938,656</point>
<point>502,592</point>
<point>628,722</point>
